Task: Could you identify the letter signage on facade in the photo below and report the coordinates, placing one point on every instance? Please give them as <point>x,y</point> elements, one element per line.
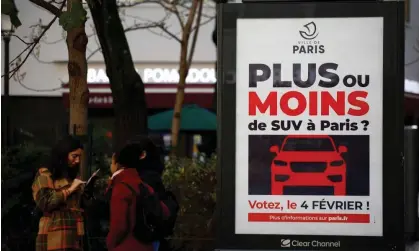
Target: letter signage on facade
<point>159,75</point>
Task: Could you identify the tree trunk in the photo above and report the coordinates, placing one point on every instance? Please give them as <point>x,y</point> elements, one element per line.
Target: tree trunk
<point>127,86</point>
<point>77,72</point>
<point>180,95</point>
<point>184,65</point>
<point>214,40</point>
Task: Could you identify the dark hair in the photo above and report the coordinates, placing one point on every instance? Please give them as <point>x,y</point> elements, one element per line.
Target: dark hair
<point>58,164</point>
<point>129,156</point>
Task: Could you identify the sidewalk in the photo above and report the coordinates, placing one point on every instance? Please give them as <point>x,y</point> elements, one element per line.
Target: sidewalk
<point>412,246</point>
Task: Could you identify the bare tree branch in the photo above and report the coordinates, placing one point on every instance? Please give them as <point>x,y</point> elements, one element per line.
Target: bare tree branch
<point>168,32</point>
<point>416,48</point>
<point>93,53</point>
<point>160,33</point>
<point>171,8</point>
<point>186,7</point>
<point>143,26</point>
<point>177,14</point>
<point>19,80</point>
<point>188,26</point>
<point>200,24</point>
<point>18,56</point>
<point>195,36</point>
<point>412,62</point>
<point>31,47</point>
<point>20,39</point>
<point>49,6</point>
<point>183,74</point>
<point>129,29</point>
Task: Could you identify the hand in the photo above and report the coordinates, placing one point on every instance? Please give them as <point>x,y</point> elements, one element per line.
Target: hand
<point>113,160</point>
<point>76,185</point>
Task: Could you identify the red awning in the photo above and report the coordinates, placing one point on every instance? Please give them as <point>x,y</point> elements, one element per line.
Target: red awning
<point>411,103</point>
<point>157,95</point>
<point>164,95</point>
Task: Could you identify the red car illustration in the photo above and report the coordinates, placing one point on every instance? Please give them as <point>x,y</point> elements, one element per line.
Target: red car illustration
<point>308,161</point>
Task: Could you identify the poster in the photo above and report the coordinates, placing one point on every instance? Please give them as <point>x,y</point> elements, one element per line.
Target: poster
<point>309,118</point>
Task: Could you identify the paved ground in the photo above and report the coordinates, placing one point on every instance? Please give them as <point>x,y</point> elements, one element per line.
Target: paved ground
<point>413,246</point>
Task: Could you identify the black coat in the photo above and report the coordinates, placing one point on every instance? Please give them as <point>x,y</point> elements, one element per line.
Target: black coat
<point>154,179</point>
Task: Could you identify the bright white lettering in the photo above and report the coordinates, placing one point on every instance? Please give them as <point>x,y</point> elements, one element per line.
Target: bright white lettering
<point>159,75</point>
<point>193,76</point>
<point>97,76</point>
<point>411,86</point>
<point>148,73</point>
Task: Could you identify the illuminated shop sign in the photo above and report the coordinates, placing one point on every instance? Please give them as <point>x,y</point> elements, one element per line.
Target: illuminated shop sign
<point>159,75</point>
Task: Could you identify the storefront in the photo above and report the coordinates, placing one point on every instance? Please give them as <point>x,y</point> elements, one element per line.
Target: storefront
<point>160,84</point>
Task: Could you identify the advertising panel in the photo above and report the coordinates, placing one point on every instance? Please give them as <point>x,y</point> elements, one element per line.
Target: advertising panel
<point>309,114</point>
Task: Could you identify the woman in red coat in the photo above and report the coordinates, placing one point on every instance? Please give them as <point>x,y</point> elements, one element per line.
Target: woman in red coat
<point>123,212</point>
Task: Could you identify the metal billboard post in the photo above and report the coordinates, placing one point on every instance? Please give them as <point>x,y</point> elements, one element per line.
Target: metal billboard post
<point>411,172</point>
<point>310,125</point>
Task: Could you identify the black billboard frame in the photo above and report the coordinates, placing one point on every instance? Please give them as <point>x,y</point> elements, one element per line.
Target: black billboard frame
<point>393,90</point>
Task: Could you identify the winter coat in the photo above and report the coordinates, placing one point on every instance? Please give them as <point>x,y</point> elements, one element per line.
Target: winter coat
<point>123,212</point>
<point>61,226</point>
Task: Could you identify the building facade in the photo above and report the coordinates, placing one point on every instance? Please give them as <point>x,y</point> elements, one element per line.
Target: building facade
<point>412,62</point>
<point>41,84</point>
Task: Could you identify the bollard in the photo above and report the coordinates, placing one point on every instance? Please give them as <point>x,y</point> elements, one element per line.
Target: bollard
<point>411,166</point>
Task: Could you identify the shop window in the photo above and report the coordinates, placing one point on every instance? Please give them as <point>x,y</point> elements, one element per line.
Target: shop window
<point>191,145</point>
<point>196,142</point>
<point>167,141</point>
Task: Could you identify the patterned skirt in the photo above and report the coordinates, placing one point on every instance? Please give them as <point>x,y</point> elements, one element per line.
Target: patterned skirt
<point>42,244</point>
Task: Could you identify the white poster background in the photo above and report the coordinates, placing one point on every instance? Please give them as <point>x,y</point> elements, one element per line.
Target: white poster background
<point>356,45</point>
